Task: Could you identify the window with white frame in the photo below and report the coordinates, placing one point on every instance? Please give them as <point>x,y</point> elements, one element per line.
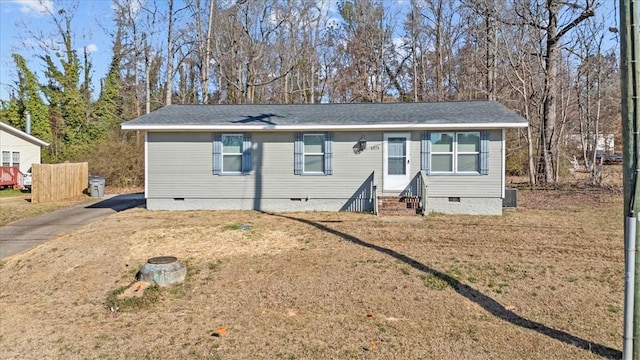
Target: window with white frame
<point>15,159</point>
<point>6,158</point>
<point>313,154</point>
<point>442,151</point>
<point>468,152</point>
<point>10,158</point>
<point>232,154</point>
<point>451,152</point>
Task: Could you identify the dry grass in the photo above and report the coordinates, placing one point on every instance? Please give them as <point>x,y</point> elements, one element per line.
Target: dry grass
<point>19,206</point>
<point>542,282</point>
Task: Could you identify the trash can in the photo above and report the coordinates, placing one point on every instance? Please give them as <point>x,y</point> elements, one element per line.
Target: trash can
<point>96,186</point>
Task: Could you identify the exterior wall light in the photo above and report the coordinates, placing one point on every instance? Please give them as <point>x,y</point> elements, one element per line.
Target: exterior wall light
<point>360,146</point>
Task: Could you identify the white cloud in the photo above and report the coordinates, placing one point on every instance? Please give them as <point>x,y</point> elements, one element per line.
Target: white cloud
<point>37,7</point>
<point>91,48</point>
<point>400,46</point>
<point>133,6</point>
<point>327,6</point>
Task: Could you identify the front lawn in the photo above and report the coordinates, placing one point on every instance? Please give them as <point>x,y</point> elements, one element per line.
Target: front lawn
<point>542,282</point>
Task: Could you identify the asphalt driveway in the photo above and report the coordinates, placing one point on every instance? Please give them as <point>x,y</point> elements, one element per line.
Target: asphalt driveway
<point>30,232</point>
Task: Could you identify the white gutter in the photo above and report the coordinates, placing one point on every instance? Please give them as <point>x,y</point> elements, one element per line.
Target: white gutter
<point>503,156</point>
<point>146,165</point>
<point>203,127</point>
<point>19,133</point>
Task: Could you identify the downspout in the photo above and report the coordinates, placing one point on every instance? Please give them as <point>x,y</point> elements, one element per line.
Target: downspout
<point>630,245</point>
<point>629,57</point>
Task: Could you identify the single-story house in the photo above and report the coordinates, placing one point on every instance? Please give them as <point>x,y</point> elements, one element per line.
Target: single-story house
<point>446,157</point>
<point>18,148</point>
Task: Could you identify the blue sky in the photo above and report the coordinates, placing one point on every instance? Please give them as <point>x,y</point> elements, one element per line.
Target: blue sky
<point>26,23</point>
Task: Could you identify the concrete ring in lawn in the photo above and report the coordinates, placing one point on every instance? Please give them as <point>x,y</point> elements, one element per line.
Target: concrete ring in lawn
<point>162,271</point>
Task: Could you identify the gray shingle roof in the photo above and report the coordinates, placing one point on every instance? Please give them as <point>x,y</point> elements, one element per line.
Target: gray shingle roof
<point>484,114</point>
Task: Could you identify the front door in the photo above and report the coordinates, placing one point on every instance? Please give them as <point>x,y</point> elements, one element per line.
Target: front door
<point>397,160</point>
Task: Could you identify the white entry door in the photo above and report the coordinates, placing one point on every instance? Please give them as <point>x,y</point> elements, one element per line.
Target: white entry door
<point>397,161</point>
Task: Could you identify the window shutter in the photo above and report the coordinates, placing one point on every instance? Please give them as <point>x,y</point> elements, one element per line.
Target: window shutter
<point>426,152</point>
<point>484,152</point>
<point>298,148</point>
<point>246,153</point>
<point>217,153</point>
<point>328,153</point>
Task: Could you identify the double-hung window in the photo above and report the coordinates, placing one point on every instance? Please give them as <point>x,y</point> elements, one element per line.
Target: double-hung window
<point>6,158</point>
<point>231,154</point>
<point>313,154</point>
<point>15,159</point>
<point>451,152</point>
<point>11,158</point>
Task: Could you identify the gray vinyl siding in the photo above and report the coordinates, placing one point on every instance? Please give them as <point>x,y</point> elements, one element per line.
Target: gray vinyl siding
<point>482,186</point>
<point>180,166</point>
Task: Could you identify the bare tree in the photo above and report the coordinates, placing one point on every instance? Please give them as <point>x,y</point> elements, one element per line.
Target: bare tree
<point>521,71</point>
<point>595,83</point>
<point>555,19</point>
<point>366,38</point>
<point>203,16</point>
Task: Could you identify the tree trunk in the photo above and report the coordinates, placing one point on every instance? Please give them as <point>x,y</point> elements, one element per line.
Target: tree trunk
<point>206,69</point>
<point>490,22</point>
<point>170,43</point>
<point>439,55</point>
<point>546,166</point>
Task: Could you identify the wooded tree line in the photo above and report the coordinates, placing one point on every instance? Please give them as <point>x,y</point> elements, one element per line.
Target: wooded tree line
<point>546,59</point>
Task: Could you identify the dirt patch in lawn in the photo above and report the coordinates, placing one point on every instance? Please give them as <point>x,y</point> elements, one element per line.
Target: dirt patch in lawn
<point>544,281</point>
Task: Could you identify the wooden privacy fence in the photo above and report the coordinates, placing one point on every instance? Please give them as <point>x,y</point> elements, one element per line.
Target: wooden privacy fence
<point>53,182</point>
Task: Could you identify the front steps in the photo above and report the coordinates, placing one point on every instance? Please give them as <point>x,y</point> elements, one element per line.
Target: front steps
<point>399,206</point>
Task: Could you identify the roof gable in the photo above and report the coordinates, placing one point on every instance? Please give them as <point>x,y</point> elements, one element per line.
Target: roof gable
<point>23,135</point>
<point>471,114</point>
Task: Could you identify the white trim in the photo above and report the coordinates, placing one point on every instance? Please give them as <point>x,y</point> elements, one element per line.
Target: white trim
<point>146,165</point>
<point>391,182</point>
<point>458,153</point>
<point>304,155</point>
<point>22,134</point>
<point>455,153</point>
<point>241,153</point>
<point>328,127</point>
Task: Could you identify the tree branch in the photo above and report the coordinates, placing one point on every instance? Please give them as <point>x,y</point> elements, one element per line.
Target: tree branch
<point>589,12</point>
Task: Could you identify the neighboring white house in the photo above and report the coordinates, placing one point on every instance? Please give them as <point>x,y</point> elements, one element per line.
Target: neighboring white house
<point>19,149</point>
<point>606,143</point>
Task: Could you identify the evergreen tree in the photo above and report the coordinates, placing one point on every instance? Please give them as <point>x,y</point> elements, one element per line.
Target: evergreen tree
<point>69,107</point>
<point>108,107</point>
<point>27,98</point>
